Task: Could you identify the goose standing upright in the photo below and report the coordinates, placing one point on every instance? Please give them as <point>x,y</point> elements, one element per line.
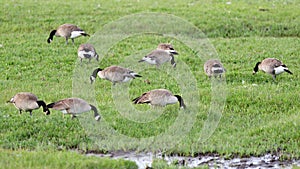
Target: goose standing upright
<point>164,53</point>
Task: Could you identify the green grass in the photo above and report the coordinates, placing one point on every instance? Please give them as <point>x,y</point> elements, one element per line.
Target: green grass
<point>58,159</point>
<point>260,115</point>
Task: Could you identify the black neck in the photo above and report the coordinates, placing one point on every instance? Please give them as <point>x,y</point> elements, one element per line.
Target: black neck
<point>95,111</point>
<point>52,33</point>
<point>173,61</point>
<point>43,104</point>
<point>181,102</point>
<point>256,67</point>
<point>94,74</point>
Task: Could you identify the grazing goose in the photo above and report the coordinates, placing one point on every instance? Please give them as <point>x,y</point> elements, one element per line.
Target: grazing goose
<point>115,74</point>
<point>162,54</point>
<point>74,106</point>
<point>213,67</point>
<point>271,66</point>
<point>87,51</point>
<point>25,101</point>
<point>67,31</point>
<point>159,97</point>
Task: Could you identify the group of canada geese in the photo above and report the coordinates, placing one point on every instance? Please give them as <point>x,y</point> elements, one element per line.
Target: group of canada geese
<point>25,101</point>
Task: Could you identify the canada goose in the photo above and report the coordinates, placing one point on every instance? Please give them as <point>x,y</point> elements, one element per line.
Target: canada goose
<point>87,51</point>
<point>213,67</point>
<point>74,106</point>
<point>162,54</point>
<point>25,101</point>
<point>271,66</point>
<point>159,97</point>
<point>67,31</point>
<point>115,74</point>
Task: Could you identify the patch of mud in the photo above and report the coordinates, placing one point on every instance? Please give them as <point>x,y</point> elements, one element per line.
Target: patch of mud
<point>144,160</point>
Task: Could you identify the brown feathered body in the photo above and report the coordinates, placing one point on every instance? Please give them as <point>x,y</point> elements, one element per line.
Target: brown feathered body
<point>68,31</point>
<point>25,101</point>
<point>214,67</point>
<point>87,51</point>
<point>159,97</point>
<point>271,66</point>
<point>74,106</point>
<point>115,74</point>
<point>164,53</point>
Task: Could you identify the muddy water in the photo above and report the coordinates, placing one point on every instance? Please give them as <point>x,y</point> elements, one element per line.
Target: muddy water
<point>145,159</point>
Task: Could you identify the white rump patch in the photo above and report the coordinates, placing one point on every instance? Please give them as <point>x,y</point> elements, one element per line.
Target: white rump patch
<point>149,60</point>
<point>133,74</point>
<point>217,70</point>
<point>83,54</point>
<point>76,34</point>
<point>126,79</point>
<point>279,69</point>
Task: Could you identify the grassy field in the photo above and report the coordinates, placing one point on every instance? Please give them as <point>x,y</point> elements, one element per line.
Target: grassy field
<point>260,116</point>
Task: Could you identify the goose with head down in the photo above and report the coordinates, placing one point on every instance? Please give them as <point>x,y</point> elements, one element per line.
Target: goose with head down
<point>271,66</point>
<point>68,31</point>
<point>74,106</point>
<point>25,101</point>
<point>115,74</point>
<point>159,97</point>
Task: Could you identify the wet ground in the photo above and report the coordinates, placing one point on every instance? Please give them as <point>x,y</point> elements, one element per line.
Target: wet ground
<point>144,160</point>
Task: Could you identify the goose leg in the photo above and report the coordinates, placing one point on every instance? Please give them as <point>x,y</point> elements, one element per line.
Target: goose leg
<point>274,77</point>
<point>66,40</point>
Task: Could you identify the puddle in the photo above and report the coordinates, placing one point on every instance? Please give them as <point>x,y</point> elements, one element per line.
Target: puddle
<point>145,159</point>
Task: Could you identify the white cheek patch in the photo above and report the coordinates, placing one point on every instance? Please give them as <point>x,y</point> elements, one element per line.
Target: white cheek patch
<point>76,34</point>
<point>279,69</point>
<point>92,78</point>
<point>97,118</point>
